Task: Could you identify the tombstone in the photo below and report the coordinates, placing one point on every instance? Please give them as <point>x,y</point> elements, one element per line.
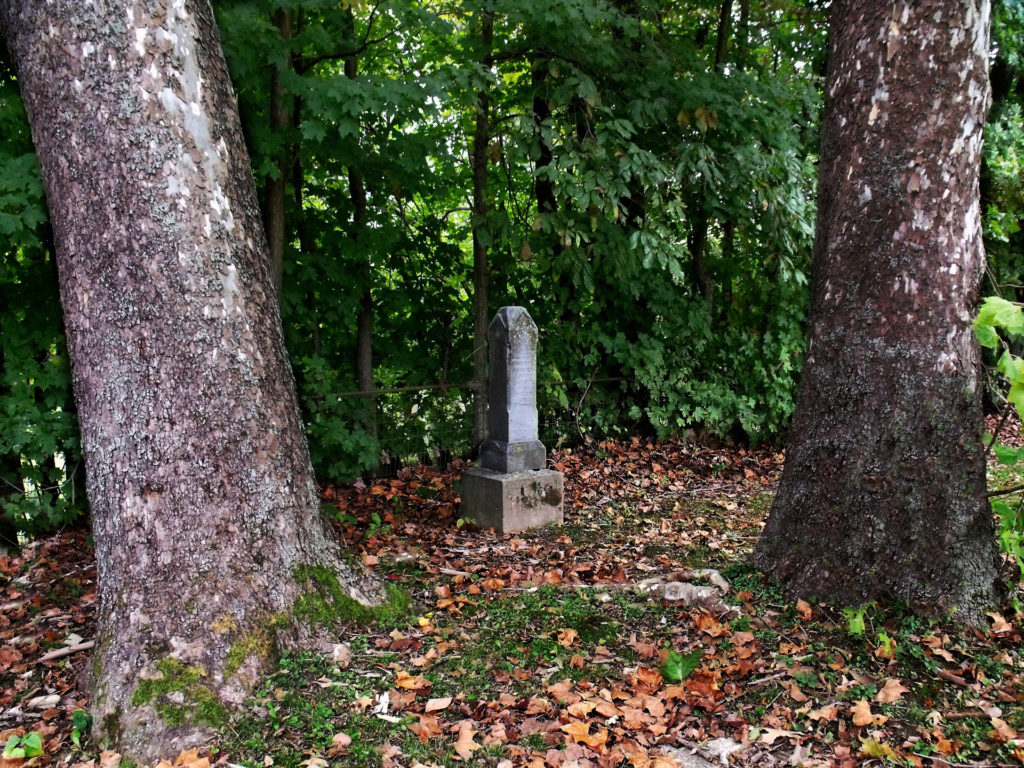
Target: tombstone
<point>512,489</point>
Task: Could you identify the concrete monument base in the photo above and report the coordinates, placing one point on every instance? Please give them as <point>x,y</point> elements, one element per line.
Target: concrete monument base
<point>513,501</point>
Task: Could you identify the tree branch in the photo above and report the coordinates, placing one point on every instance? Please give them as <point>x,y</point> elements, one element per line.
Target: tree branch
<point>1004,491</point>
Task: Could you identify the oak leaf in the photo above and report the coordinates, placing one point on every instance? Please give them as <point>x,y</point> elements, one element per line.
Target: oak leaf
<point>795,693</point>
<point>827,713</point>
<point>769,735</point>
<point>804,609</point>
<point>654,705</point>
<point>561,689</point>
<point>581,708</point>
<point>339,744</point>
<point>425,728</point>
<point>999,624</point>
<point>341,654</point>
<point>876,750</point>
<point>404,680</point>
<point>1001,732</point>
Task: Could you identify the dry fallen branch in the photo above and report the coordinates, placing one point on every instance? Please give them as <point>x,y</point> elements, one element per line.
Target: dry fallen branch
<point>60,653</point>
<point>951,678</point>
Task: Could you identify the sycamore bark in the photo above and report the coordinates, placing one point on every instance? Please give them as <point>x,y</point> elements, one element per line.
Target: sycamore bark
<point>204,507</point>
<point>883,493</point>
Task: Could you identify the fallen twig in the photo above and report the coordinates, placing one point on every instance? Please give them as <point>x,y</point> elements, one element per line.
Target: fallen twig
<point>762,680</point>
<point>951,678</point>
<point>60,653</point>
<point>964,715</point>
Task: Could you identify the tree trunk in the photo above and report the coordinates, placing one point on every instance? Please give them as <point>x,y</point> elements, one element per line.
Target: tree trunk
<point>543,187</point>
<point>883,493</point>
<point>481,319</point>
<point>204,506</point>
<point>364,324</point>
<point>697,245</point>
<point>700,223</point>
<point>11,489</point>
<point>722,38</point>
<point>275,192</point>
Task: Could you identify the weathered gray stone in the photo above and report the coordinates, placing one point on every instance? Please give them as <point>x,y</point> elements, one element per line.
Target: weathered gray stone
<point>512,501</point>
<point>511,490</point>
<point>512,444</point>
<point>512,457</point>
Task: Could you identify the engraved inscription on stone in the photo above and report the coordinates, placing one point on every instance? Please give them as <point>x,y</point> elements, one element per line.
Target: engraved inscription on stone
<point>512,394</point>
<point>511,490</point>
<point>512,444</point>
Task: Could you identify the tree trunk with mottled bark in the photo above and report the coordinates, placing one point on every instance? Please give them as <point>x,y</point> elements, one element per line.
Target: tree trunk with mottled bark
<point>205,512</point>
<point>883,493</point>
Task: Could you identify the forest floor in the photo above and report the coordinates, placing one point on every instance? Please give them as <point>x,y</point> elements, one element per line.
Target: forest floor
<point>538,650</point>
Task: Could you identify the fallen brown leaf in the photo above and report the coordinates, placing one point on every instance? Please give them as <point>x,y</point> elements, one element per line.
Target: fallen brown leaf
<point>464,744</point>
<point>436,705</point>
<point>580,733</point>
<point>862,714</point>
<point>893,690</point>
<point>339,744</point>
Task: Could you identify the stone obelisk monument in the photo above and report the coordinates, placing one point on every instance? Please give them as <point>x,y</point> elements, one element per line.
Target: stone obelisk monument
<point>512,489</point>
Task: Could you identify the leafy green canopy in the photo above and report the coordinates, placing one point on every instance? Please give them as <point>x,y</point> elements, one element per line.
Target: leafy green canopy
<point>649,194</point>
<point>614,138</point>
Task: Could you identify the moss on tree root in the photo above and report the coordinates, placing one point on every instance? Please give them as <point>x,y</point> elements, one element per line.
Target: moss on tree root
<point>326,602</point>
<point>181,696</point>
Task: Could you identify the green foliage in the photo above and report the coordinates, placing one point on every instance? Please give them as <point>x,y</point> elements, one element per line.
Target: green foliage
<point>41,477</point>
<point>679,667</point>
<point>1002,171</point>
<point>81,725</point>
<point>23,747</point>
<point>633,155</point>
<point>856,621</point>
<point>999,325</point>
<point>651,206</point>
<point>614,142</point>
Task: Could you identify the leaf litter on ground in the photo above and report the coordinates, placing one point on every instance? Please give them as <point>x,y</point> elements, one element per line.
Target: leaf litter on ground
<point>536,649</point>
